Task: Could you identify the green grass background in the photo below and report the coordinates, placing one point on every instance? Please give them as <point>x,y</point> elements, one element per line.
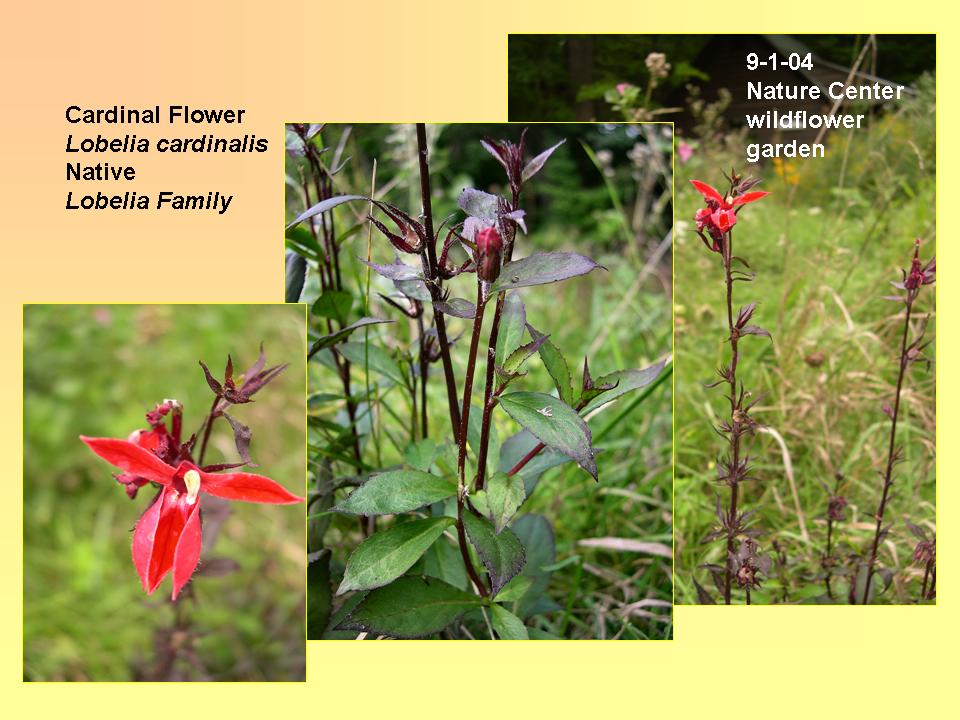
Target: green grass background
<point>96,370</point>
<point>825,246</point>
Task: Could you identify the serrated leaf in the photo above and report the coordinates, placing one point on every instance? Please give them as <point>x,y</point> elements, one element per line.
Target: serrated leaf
<point>422,454</point>
<point>535,165</point>
<point>507,625</point>
<point>322,207</point>
<point>515,589</point>
<point>388,554</point>
<point>411,607</point>
<point>519,356</point>
<point>624,381</point>
<point>379,360</point>
<point>333,304</point>
<point>335,337</point>
<point>556,425</point>
<point>556,365</point>
<point>505,494</point>
<point>512,322</point>
<point>296,273</point>
<point>397,491</point>
<point>502,555</point>
<point>457,307</point>
<point>542,268</point>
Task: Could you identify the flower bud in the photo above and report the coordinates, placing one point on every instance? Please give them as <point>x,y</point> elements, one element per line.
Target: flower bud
<point>489,250</point>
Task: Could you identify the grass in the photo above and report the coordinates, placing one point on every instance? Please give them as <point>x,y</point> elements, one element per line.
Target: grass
<point>96,370</point>
<point>824,259</point>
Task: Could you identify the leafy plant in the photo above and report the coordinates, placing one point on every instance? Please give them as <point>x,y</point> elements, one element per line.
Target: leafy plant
<point>444,549</point>
<point>744,564</point>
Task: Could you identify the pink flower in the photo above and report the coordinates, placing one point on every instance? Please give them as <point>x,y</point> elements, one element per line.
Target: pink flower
<point>622,87</point>
<point>684,151</point>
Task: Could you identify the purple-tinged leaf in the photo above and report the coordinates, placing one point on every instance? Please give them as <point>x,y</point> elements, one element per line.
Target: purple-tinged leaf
<point>754,330</point>
<point>624,381</point>
<point>479,204</point>
<point>555,424</point>
<point>501,554</point>
<point>395,271</point>
<point>519,356</point>
<point>543,268</point>
<point>703,597</point>
<point>241,437</point>
<point>518,217</point>
<point>342,334</point>
<point>211,381</point>
<point>535,165</point>
<point>322,207</point>
<point>746,312</point>
<point>457,307</point>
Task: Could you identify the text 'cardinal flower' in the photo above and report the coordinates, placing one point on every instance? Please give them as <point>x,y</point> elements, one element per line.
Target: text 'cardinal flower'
<point>168,536</point>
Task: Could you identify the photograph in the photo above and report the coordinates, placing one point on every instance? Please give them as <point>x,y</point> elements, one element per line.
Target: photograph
<point>805,315</point>
<point>164,441</point>
<point>490,377</point>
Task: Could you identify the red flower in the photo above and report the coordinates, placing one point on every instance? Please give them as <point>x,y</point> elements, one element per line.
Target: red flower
<point>919,274</point>
<point>720,215</point>
<point>167,536</point>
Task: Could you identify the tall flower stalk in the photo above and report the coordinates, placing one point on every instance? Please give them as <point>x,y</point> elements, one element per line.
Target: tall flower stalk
<point>714,224</point>
<point>914,279</point>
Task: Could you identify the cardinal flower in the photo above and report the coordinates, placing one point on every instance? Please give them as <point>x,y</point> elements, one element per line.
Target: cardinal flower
<point>720,214</point>
<point>168,535</point>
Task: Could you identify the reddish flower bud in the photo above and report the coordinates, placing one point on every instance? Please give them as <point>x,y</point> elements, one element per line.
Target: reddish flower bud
<point>489,250</point>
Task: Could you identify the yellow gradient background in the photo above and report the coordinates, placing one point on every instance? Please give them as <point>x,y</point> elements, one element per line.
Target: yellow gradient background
<point>406,61</point>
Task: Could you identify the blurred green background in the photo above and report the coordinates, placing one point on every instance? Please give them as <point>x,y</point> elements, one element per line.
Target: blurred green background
<point>96,370</point>
<point>607,194</point>
<point>825,246</point>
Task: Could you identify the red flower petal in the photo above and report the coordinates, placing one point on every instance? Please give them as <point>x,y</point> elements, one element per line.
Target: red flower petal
<point>143,536</point>
<point>132,458</point>
<point>247,488</point>
<point>708,192</point>
<point>187,554</point>
<point>174,513</point>
<point>749,197</point>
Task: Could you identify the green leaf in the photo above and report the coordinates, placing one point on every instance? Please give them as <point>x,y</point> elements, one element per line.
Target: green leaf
<point>538,634</point>
<point>319,600</point>
<point>502,555</point>
<point>556,365</point>
<point>296,271</point>
<point>322,207</point>
<point>334,304</point>
<point>397,491</point>
<point>507,625</point>
<point>626,381</point>
<point>514,590</point>
<point>542,268</point>
<point>388,554</point>
<point>411,607</point>
<point>556,425</point>
<point>379,359</point>
<point>335,337</point>
<point>519,356</point>
<point>421,454</point>
<point>505,494</point>
<point>516,447</point>
<point>512,321</point>
<point>537,536</point>
<point>442,561</point>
